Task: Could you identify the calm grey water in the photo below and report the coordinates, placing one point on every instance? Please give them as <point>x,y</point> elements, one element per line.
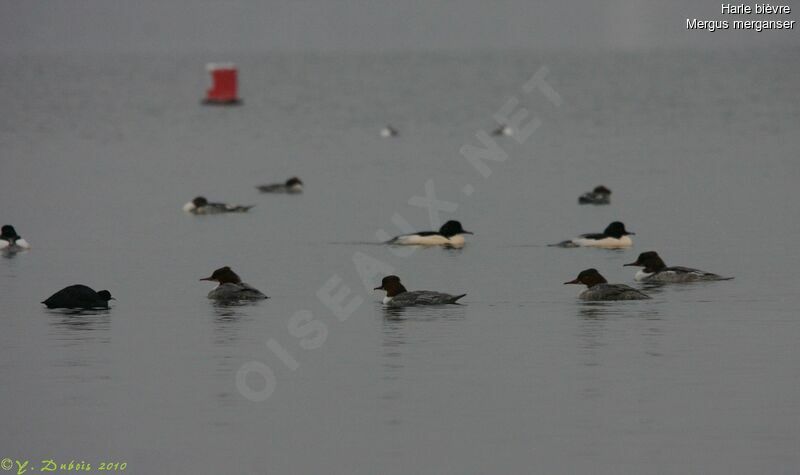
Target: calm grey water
<point>99,153</point>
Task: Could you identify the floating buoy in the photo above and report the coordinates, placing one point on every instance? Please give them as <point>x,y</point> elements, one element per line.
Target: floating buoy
<point>223,84</point>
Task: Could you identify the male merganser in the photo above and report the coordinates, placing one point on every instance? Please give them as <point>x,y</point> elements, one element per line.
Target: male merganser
<point>11,241</point>
<point>389,131</point>
<point>200,205</point>
<point>656,271</point>
<point>398,296</point>
<point>79,296</point>
<point>231,287</point>
<point>503,130</point>
<point>600,289</point>
<point>451,234</point>
<point>613,237</point>
<point>293,185</point>
<point>599,196</point>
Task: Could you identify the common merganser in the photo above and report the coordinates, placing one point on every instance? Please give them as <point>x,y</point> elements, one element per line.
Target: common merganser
<point>600,289</point>
<point>11,241</point>
<point>231,287</point>
<point>451,234</point>
<point>613,237</point>
<point>599,196</point>
<point>655,270</point>
<point>293,185</point>
<point>200,205</point>
<point>398,296</point>
<point>389,131</point>
<point>79,296</point>
<point>503,130</point>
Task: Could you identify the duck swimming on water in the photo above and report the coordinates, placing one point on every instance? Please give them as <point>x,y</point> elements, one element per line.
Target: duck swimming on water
<point>79,296</point>
<point>398,296</point>
<point>231,287</point>
<point>201,205</point>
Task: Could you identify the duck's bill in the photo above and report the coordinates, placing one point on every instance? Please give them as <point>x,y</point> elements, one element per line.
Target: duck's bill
<point>378,288</point>
<point>576,281</point>
<point>631,264</point>
<point>206,278</point>
<point>630,234</point>
<point>467,232</point>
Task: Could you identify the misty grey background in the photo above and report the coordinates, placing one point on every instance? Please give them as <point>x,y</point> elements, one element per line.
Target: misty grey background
<point>368,25</point>
<point>102,140</point>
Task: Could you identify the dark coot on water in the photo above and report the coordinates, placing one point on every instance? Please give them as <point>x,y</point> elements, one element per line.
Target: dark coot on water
<point>78,296</point>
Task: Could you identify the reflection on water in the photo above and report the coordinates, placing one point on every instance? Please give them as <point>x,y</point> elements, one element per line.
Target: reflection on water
<point>81,319</point>
<point>424,313</point>
<point>598,319</point>
<point>9,254</point>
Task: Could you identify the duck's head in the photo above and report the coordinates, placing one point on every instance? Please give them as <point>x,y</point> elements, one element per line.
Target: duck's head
<point>617,230</point>
<point>452,228</point>
<point>105,295</point>
<point>294,182</point>
<point>8,232</point>
<point>601,190</point>
<point>650,260</point>
<point>589,278</point>
<point>391,284</point>
<point>224,275</point>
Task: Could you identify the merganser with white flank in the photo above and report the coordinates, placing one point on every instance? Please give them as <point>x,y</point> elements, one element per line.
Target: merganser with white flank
<point>451,234</point>
<point>79,296</point>
<point>200,205</point>
<point>292,186</point>
<point>655,270</point>
<point>398,296</point>
<point>10,241</point>
<point>598,288</point>
<point>599,196</point>
<point>231,287</point>
<point>615,236</point>
<point>389,131</point>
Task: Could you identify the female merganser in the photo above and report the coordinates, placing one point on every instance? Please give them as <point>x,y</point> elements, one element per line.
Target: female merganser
<point>599,196</point>
<point>389,131</point>
<point>613,237</point>
<point>200,205</point>
<point>79,296</point>
<point>231,287</point>
<point>600,289</point>
<point>398,296</point>
<point>656,271</point>
<point>293,185</point>
<point>503,130</point>
<point>450,234</point>
<point>11,241</point>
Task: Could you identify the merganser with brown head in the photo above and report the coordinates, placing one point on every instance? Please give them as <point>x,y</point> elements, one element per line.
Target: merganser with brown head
<point>398,296</point>
<point>231,287</point>
<point>655,270</point>
<point>598,288</point>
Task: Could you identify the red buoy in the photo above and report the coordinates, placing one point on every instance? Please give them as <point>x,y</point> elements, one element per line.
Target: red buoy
<point>223,84</point>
